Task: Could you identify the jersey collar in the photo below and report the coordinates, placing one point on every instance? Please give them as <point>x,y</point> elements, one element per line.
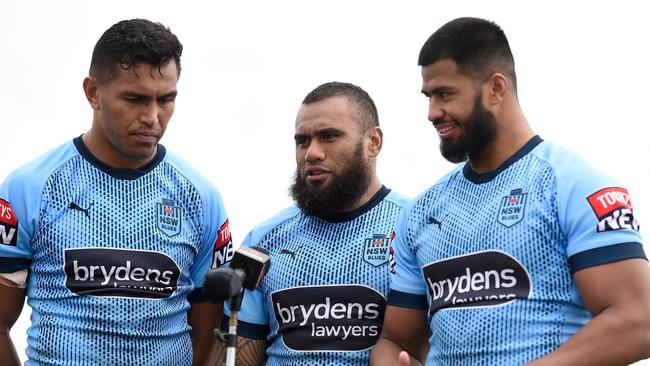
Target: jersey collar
<point>119,173</point>
<point>351,215</point>
<point>488,176</point>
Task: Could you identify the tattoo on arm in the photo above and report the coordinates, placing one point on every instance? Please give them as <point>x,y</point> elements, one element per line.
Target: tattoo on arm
<point>251,352</point>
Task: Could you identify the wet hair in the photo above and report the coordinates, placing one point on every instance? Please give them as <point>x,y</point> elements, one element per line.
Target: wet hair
<point>366,109</point>
<point>130,43</point>
<point>479,48</point>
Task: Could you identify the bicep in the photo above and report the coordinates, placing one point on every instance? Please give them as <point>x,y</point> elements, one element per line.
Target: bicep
<point>623,284</point>
<point>203,317</point>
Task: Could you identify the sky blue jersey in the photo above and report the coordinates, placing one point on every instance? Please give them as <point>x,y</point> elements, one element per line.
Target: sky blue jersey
<point>114,255</point>
<point>323,300</point>
<point>491,256</point>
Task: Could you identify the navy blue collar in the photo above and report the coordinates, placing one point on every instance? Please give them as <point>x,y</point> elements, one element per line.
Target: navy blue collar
<point>351,215</point>
<point>488,176</point>
<point>119,173</point>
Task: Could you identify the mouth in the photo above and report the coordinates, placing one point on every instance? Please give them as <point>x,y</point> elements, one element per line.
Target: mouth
<point>146,137</point>
<point>445,129</point>
<point>316,175</point>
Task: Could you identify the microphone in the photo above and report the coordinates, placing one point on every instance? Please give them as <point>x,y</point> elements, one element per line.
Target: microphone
<point>247,269</point>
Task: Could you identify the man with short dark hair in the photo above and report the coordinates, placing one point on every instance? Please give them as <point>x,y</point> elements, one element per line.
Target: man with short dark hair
<point>524,253</point>
<point>115,232</point>
<point>323,300</point>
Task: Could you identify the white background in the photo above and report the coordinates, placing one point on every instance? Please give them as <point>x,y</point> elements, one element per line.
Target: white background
<point>582,72</point>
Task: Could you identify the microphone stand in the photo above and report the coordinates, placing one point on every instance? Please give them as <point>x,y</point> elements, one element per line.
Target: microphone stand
<point>230,339</point>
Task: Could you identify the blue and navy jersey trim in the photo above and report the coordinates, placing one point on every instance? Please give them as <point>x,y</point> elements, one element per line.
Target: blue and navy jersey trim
<point>604,255</point>
<point>198,295</point>
<point>406,300</point>
<point>119,173</point>
<point>488,176</point>
<point>10,265</point>
<point>248,330</point>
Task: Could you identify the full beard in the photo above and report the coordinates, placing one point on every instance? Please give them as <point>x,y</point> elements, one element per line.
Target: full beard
<point>343,190</point>
<point>480,131</point>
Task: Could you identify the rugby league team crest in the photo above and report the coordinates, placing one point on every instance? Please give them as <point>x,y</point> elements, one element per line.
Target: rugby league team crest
<point>512,208</point>
<point>376,250</point>
<point>168,217</point>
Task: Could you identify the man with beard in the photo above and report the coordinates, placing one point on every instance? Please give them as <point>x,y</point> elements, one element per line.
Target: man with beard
<point>524,254</point>
<point>323,300</point>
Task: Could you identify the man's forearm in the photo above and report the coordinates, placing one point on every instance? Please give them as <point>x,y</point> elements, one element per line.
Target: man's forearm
<point>611,338</point>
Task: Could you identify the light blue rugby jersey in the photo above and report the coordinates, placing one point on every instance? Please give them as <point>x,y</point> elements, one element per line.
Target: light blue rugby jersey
<point>491,256</point>
<point>113,255</point>
<point>323,300</point>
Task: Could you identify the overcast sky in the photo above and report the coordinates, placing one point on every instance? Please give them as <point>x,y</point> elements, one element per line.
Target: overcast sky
<point>582,73</point>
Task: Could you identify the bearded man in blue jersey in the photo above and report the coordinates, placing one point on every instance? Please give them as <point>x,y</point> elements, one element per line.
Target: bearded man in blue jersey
<point>323,300</point>
<point>115,232</point>
<point>524,254</point>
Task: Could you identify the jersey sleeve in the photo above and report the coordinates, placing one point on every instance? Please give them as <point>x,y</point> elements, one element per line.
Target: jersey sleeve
<point>406,282</point>
<point>19,203</point>
<point>253,319</point>
<point>597,217</point>
<point>216,247</point>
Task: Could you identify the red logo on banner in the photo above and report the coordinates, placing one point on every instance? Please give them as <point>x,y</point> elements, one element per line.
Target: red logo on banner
<point>223,237</point>
<point>7,215</point>
<point>609,199</point>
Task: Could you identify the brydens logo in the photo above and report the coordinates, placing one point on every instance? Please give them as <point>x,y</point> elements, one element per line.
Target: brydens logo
<point>488,278</point>
<point>329,318</point>
<point>613,208</point>
<point>120,273</point>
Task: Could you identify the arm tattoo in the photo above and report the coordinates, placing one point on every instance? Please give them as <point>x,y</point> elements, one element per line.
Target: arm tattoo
<point>251,352</point>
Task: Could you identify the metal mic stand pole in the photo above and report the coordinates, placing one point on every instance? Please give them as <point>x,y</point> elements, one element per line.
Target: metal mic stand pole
<point>231,337</point>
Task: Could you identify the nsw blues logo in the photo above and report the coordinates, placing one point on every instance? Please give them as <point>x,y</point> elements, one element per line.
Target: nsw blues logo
<point>376,250</point>
<point>168,217</point>
<point>512,208</point>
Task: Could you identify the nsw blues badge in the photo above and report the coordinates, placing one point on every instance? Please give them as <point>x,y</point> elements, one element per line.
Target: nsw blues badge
<point>512,208</point>
<point>376,250</point>
<point>168,217</point>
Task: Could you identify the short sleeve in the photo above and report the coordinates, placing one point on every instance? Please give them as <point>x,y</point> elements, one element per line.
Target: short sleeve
<point>597,217</point>
<point>407,287</point>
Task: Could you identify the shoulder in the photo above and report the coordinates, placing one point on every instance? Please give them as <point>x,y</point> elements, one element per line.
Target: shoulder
<point>397,198</point>
<point>569,168</point>
<point>191,174</point>
<point>33,175</point>
<point>280,218</point>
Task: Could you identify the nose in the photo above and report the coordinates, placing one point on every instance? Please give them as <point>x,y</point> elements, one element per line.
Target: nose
<point>315,152</point>
<point>435,111</point>
<point>149,113</point>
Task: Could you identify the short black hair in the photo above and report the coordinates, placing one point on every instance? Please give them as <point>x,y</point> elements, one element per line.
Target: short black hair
<point>366,109</point>
<point>129,43</point>
<point>479,48</point>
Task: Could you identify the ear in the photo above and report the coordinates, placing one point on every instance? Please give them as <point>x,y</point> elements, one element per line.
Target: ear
<point>497,88</point>
<point>91,89</point>
<point>376,137</point>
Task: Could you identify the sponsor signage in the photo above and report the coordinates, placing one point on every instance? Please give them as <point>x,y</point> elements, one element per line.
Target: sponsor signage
<point>120,273</point>
<point>481,279</point>
<point>613,208</point>
<point>223,250</point>
<point>8,224</point>
<point>329,318</point>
